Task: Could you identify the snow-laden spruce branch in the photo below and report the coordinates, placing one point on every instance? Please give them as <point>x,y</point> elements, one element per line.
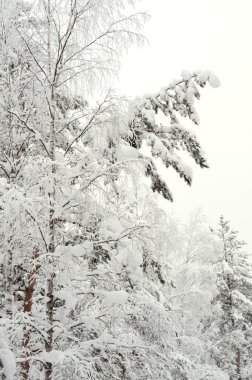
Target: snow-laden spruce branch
<point>166,140</point>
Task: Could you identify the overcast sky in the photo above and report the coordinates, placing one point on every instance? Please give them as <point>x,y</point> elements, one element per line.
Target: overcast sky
<point>214,35</point>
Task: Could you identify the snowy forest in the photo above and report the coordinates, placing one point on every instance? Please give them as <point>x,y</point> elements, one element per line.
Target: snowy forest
<point>97,281</point>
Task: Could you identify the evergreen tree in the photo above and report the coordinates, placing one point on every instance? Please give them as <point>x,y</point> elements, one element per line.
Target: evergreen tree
<point>234,326</point>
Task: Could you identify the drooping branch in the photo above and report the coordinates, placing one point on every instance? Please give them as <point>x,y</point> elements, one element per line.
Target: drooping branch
<point>171,103</point>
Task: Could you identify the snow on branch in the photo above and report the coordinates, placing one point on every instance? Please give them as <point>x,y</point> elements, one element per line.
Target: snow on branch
<point>171,103</point>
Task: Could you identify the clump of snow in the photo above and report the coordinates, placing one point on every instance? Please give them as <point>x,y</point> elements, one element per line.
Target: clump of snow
<point>58,212</point>
<point>8,360</point>
<point>214,80</point>
<point>190,95</point>
<point>77,251</point>
<point>227,269</point>
<point>106,338</point>
<point>53,356</point>
<point>118,297</point>
<point>112,226</point>
<point>149,115</point>
<point>3,182</point>
<point>173,83</point>
<point>81,249</point>
<point>68,297</point>
<point>186,75</point>
<point>187,170</point>
<point>89,321</point>
<point>210,77</point>
<point>126,151</point>
<point>132,261</point>
<point>87,245</point>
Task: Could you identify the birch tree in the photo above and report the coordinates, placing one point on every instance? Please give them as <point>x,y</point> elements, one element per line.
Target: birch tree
<point>74,45</point>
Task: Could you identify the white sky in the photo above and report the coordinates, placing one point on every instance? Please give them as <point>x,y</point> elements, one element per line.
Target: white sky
<point>214,35</point>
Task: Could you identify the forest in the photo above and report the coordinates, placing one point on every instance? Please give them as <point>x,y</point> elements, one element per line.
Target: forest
<point>97,280</point>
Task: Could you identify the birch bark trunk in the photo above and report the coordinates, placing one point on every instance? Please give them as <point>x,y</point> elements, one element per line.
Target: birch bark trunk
<point>52,198</point>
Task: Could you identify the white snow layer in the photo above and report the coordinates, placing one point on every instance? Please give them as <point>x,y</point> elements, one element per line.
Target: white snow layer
<point>210,77</point>
<point>53,356</point>
<point>214,80</point>
<point>119,297</point>
<point>8,360</point>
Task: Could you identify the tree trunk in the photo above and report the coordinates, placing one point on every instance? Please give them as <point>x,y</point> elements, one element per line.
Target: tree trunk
<point>11,180</point>
<point>52,199</point>
<point>238,363</point>
<point>49,341</point>
<point>50,282</point>
<point>28,301</point>
<point>9,286</point>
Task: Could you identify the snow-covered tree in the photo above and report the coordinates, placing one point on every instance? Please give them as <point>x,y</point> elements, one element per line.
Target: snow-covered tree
<point>81,267</point>
<point>233,339</point>
<point>193,284</point>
